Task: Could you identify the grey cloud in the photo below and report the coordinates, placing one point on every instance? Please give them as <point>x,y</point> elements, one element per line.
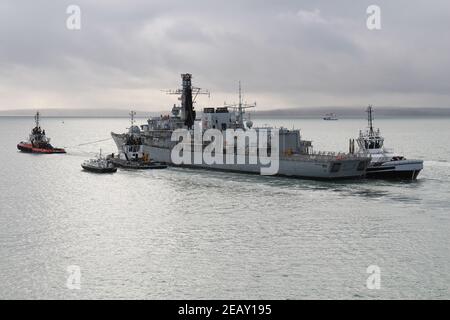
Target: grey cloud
<point>288,53</point>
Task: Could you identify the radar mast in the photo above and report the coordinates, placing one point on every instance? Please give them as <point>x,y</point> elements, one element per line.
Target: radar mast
<point>188,95</point>
<point>132,114</point>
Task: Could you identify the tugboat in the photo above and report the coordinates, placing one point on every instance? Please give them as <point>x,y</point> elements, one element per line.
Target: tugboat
<point>384,163</point>
<point>38,141</point>
<point>99,165</point>
<point>131,152</point>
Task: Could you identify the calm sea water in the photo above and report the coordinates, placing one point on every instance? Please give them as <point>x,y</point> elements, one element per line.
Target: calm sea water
<point>181,233</point>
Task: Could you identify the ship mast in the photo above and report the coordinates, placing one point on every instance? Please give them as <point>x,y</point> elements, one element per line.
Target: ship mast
<point>187,103</point>
<point>240,110</point>
<point>132,114</point>
<point>37,118</point>
<point>240,107</point>
<point>188,95</point>
<point>370,119</point>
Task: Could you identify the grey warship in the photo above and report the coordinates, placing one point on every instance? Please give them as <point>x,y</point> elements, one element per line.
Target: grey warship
<point>296,156</point>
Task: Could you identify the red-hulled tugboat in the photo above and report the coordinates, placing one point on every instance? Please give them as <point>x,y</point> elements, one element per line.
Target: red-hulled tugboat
<point>38,142</point>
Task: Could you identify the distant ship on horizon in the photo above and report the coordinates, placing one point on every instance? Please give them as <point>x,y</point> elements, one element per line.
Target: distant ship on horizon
<point>330,117</point>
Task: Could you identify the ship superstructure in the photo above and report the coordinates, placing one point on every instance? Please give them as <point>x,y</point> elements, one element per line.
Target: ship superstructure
<point>296,157</point>
<point>131,154</point>
<point>132,148</point>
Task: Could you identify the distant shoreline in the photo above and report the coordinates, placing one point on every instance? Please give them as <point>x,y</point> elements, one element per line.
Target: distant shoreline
<point>253,117</point>
<point>73,117</point>
<point>297,113</point>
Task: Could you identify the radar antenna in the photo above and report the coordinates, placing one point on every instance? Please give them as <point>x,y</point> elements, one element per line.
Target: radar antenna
<point>241,106</point>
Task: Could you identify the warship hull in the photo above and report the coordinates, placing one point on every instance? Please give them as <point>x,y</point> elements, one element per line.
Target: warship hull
<point>289,167</point>
<point>296,166</point>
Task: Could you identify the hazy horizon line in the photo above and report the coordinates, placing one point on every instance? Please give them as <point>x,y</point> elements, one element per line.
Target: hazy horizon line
<point>342,112</point>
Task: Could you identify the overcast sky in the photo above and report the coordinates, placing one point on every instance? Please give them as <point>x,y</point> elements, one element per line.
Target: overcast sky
<point>288,54</point>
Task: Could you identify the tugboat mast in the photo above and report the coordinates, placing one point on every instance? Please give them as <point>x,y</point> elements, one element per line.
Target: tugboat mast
<point>36,118</point>
<point>370,119</point>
